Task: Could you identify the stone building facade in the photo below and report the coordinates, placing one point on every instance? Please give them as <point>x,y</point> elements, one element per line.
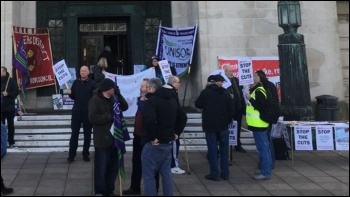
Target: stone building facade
<point>225,28</point>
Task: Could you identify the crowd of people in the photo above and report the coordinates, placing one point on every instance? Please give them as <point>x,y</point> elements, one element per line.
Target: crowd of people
<point>159,121</point>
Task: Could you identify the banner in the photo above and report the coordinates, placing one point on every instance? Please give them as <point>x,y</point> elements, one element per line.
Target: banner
<point>176,45</point>
<point>38,49</point>
<point>130,87</point>
<point>270,65</point>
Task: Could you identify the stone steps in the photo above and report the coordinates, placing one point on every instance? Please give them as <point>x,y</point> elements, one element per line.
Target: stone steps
<point>51,133</point>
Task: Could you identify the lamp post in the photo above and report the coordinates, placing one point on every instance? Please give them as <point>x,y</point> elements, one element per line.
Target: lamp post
<point>295,89</point>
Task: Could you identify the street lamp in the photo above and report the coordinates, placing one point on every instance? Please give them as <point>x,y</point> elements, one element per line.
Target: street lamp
<point>295,88</point>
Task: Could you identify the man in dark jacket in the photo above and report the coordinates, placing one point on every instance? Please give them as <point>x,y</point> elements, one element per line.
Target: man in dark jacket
<point>160,117</point>
<point>9,92</point>
<point>112,61</point>
<point>173,86</point>
<point>239,103</point>
<point>101,117</point>
<point>217,113</point>
<point>81,91</point>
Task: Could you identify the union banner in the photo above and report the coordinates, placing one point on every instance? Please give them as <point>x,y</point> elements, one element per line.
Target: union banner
<point>39,57</point>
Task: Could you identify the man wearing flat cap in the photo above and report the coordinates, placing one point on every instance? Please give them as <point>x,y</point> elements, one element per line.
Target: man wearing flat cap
<point>101,117</point>
<point>217,113</point>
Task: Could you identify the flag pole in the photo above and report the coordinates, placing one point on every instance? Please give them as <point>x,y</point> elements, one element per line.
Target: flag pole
<point>187,79</point>
<point>120,185</point>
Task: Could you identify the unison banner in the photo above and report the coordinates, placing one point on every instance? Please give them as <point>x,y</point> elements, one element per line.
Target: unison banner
<point>270,65</point>
<point>38,48</point>
<point>176,45</point>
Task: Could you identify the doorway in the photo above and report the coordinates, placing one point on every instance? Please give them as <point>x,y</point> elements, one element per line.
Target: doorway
<point>95,35</point>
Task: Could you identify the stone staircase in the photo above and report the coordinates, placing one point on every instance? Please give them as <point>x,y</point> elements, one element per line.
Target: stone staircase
<point>51,133</point>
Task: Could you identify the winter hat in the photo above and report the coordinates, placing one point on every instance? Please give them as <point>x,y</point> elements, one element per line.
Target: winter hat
<point>261,73</point>
<point>107,84</point>
<point>155,57</point>
<point>219,78</point>
<point>211,78</point>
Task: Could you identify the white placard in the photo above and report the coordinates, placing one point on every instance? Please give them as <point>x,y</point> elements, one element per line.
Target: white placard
<point>61,72</point>
<point>341,136</point>
<point>245,71</point>
<point>303,138</point>
<point>324,137</point>
<point>165,68</point>
<point>232,129</point>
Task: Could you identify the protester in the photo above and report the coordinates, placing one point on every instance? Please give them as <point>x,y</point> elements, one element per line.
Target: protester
<point>136,174</point>
<point>99,71</point>
<point>101,116</point>
<point>173,85</point>
<point>239,103</point>
<point>154,63</point>
<point>269,86</point>
<point>81,91</point>
<point>160,118</point>
<point>112,61</point>
<point>217,113</point>
<point>4,190</point>
<point>9,92</point>
<point>256,104</point>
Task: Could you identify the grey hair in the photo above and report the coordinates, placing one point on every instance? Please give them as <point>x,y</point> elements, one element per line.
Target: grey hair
<point>108,48</point>
<point>172,79</point>
<point>155,82</point>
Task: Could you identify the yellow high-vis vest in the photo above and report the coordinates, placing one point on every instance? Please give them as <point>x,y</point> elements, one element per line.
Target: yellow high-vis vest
<point>253,115</point>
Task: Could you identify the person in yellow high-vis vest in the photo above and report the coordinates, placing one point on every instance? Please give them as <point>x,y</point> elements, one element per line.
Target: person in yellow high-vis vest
<point>256,104</point>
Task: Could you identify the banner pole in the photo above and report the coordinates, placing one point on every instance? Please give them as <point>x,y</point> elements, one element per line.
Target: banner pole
<point>187,79</point>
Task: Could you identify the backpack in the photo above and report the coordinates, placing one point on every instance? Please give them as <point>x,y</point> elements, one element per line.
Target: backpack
<point>281,150</point>
<point>272,112</point>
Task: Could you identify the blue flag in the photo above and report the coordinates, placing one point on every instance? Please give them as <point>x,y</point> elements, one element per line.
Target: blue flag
<point>20,63</point>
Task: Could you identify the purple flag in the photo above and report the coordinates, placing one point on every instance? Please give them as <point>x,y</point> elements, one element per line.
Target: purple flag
<point>20,63</point>
<point>120,135</point>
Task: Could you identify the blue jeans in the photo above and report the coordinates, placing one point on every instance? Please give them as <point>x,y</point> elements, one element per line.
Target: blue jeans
<point>272,149</point>
<point>213,138</point>
<point>157,158</point>
<point>106,170</point>
<point>263,147</point>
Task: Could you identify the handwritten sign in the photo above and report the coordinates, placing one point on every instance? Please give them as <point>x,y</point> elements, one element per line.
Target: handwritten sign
<point>245,71</point>
<point>61,72</point>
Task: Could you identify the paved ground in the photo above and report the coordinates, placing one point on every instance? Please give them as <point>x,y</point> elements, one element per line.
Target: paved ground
<point>311,173</point>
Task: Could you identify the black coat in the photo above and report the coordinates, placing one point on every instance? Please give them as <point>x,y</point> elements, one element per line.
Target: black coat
<point>238,100</point>
<point>8,102</point>
<point>217,108</point>
<point>82,91</point>
<point>161,116</point>
<point>112,62</point>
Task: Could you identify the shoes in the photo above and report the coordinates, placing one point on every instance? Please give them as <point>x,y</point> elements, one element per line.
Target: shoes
<point>262,177</point>
<point>131,192</point>
<point>208,177</point>
<point>5,191</point>
<point>240,149</point>
<point>12,146</point>
<point>70,159</point>
<point>225,178</point>
<point>257,172</point>
<point>87,159</point>
<point>177,170</point>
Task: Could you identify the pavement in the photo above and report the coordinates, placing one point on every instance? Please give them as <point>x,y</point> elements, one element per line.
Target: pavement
<point>310,173</point>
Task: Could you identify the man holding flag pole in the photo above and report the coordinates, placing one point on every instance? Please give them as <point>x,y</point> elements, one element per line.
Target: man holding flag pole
<point>110,133</point>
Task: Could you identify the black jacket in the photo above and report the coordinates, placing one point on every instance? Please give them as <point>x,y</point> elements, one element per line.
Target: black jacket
<point>112,62</point>
<point>217,108</point>
<point>239,101</point>
<point>101,117</point>
<point>161,116</point>
<point>82,91</point>
<point>8,102</point>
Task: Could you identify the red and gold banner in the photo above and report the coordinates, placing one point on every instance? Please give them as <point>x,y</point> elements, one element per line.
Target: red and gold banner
<point>38,49</point>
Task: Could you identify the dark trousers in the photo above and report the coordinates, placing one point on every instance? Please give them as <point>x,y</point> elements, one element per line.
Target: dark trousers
<point>238,118</point>
<point>9,116</point>
<point>77,119</point>
<point>106,170</point>
<point>176,154</point>
<point>136,174</point>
